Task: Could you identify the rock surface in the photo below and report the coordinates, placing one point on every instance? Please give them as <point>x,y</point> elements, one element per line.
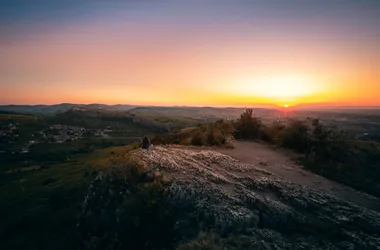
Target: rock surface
<point>231,197</point>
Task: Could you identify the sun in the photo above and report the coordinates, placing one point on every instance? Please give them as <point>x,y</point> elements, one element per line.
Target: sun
<point>286,106</point>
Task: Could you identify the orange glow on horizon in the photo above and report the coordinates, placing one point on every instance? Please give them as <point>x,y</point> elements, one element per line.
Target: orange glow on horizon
<point>202,71</point>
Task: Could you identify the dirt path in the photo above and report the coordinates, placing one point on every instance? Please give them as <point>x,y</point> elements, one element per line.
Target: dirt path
<point>281,163</point>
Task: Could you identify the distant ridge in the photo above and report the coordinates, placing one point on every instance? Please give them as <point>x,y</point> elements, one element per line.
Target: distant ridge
<point>188,111</point>
<point>51,110</point>
<point>55,109</point>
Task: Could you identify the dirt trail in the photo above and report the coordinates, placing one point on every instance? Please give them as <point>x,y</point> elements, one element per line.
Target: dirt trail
<point>282,164</point>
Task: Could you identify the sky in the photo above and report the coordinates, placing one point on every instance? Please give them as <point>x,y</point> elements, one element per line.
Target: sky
<point>194,53</point>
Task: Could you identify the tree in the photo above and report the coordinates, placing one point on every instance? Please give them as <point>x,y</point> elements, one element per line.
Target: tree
<point>248,126</point>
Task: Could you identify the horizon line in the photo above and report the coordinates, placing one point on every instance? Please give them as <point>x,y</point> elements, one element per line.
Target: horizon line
<point>268,106</point>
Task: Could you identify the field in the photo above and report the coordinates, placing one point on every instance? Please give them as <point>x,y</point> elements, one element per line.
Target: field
<point>39,207</point>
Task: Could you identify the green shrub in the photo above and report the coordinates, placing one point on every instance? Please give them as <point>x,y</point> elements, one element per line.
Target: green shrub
<point>328,144</point>
<point>210,134</point>
<point>225,128</point>
<point>197,139</point>
<point>272,133</point>
<point>211,139</point>
<point>295,136</point>
<point>248,126</point>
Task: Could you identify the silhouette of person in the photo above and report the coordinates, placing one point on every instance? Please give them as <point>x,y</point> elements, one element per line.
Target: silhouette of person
<point>146,143</point>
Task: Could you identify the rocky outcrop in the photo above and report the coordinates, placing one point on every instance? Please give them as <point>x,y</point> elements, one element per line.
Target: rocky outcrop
<point>269,212</point>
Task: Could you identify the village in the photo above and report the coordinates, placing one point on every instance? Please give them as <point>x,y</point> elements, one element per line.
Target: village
<point>57,133</point>
<point>8,133</point>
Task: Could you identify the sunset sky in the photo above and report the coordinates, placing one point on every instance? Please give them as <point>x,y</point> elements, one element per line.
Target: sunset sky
<point>215,53</point>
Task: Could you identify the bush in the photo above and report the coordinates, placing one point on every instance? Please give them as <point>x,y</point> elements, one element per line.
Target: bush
<point>328,144</point>
<point>211,138</point>
<point>197,139</point>
<point>295,136</point>
<point>210,134</point>
<point>272,133</point>
<point>248,126</point>
<point>225,128</point>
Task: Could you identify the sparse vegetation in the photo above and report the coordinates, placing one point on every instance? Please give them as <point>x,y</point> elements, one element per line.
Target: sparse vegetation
<point>217,133</point>
<point>328,151</point>
<point>39,207</point>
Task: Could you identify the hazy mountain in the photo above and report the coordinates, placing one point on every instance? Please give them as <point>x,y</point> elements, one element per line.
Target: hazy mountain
<point>59,108</point>
<point>203,113</point>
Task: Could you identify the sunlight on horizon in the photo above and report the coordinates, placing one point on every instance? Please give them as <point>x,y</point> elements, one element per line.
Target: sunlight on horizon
<point>284,87</point>
<point>279,90</point>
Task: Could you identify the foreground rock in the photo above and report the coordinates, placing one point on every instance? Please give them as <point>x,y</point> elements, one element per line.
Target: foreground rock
<point>231,205</point>
<point>235,198</point>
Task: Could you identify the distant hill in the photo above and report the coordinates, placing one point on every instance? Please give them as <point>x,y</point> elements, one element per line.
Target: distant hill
<point>88,116</point>
<point>199,113</point>
<point>50,110</point>
<point>187,115</point>
<point>5,112</point>
<point>94,112</point>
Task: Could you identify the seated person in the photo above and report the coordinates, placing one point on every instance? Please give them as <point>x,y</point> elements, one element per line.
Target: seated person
<point>146,143</point>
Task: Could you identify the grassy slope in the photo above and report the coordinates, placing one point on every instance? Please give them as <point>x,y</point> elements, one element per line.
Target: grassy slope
<point>124,131</point>
<point>38,208</point>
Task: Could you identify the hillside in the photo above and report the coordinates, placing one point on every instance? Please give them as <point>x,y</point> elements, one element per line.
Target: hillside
<point>201,113</point>
<point>29,140</point>
<point>226,204</point>
<point>98,117</point>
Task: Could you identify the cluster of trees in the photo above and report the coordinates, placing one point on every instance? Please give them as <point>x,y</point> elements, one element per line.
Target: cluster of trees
<point>310,136</point>
<point>211,134</point>
<point>328,151</point>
